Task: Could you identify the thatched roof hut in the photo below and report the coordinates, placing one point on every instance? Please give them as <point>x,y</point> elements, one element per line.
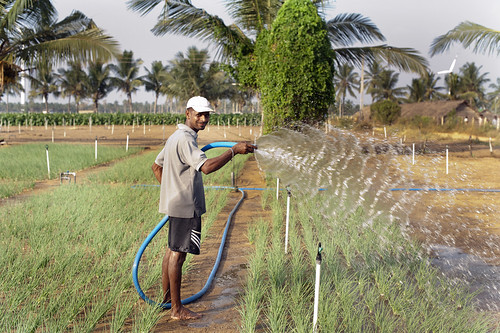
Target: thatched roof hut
<point>438,110</point>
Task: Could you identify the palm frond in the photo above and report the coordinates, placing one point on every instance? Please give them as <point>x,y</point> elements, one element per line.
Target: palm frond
<point>144,7</point>
<point>253,15</point>
<point>483,40</point>
<point>182,18</point>
<point>403,59</point>
<point>347,29</point>
<point>88,45</point>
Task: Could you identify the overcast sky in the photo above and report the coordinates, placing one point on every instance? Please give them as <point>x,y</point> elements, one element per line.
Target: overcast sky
<point>404,23</point>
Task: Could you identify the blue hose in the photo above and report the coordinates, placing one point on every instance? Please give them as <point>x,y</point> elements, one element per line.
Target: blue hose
<point>447,189</point>
<point>160,225</point>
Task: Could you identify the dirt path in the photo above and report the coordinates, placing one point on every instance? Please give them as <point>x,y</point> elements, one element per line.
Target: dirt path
<point>219,305</point>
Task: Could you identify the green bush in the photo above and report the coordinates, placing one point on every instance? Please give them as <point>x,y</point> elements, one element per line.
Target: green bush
<point>295,67</point>
<point>385,111</point>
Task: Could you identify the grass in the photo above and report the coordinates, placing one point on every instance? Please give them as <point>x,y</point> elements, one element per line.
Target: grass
<point>66,255</point>
<point>373,278</point>
<point>22,165</point>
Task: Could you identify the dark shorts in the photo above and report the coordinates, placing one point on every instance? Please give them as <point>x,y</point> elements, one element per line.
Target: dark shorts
<point>184,235</point>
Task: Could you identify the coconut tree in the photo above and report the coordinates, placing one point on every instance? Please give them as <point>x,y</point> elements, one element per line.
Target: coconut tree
<point>72,83</point>
<point>424,88</point>
<point>472,83</point>
<point>372,76</point>
<point>346,82</point>
<point>385,87</point>
<point>416,91</point>
<point>98,82</point>
<point>471,35</point>
<point>126,76</point>
<point>43,83</point>
<point>155,79</point>
<point>494,96</point>
<point>31,34</point>
<point>235,43</point>
<point>193,74</point>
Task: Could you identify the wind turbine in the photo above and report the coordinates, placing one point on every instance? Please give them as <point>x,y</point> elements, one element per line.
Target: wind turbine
<point>448,71</point>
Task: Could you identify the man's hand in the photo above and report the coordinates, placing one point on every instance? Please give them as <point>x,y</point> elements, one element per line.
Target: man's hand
<point>215,163</point>
<point>157,170</point>
<point>243,148</point>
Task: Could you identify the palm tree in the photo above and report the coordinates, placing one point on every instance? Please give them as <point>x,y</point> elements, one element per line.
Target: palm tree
<point>416,91</point>
<point>72,82</point>
<point>193,74</point>
<point>472,81</point>
<point>155,79</point>
<point>346,81</point>
<point>453,83</point>
<point>385,86</point>
<point>494,95</point>
<point>43,83</point>
<point>469,34</point>
<point>372,76</point>
<point>31,34</point>
<point>98,82</point>
<point>127,75</point>
<point>14,88</point>
<point>424,88</point>
<point>236,41</point>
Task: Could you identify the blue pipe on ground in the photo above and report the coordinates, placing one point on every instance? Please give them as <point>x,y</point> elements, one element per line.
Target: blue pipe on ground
<point>160,225</point>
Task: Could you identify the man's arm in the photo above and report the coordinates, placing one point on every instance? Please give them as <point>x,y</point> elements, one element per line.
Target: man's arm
<point>157,170</point>
<point>215,163</point>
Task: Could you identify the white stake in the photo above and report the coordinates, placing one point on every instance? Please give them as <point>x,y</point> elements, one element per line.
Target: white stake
<point>96,148</point>
<point>491,147</point>
<point>413,154</point>
<point>316,288</point>
<point>112,129</point>
<point>277,188</point>
<point>287,219</point>
<point>385,132</point>
<point>48,162</point>
<point>52,135</point>
<point>126,147</point>
<point>446,160</point>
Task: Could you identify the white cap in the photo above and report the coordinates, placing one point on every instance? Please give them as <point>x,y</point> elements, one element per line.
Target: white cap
<point>199,104</point>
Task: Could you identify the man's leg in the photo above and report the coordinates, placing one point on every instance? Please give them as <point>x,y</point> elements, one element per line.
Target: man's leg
<point>165,281</point>
<point>175,262</point>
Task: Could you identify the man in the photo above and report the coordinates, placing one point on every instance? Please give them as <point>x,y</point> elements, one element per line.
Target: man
<point>178,168</point>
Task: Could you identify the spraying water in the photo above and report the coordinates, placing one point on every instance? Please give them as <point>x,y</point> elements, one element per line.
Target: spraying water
<point>359,172</point>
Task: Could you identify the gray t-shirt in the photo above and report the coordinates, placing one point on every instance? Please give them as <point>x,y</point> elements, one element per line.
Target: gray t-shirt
<point>181,193</point>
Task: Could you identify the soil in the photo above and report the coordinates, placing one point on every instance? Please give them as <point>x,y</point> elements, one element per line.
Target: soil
<point>476,238</point>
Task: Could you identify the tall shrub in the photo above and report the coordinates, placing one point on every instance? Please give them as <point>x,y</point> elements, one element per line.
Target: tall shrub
<point>295,65</point>
<point>385,111</point>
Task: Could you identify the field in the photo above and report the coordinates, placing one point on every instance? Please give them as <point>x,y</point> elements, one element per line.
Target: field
<point>104,300</point>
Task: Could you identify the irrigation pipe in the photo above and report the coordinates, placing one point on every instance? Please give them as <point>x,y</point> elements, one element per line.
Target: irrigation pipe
<point>447,189</point>
<point>160,225</point>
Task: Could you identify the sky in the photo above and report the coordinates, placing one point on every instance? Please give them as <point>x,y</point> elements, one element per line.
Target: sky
<point>404,23</point>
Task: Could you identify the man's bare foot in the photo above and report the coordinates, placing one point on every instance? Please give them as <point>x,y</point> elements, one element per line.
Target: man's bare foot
<point>184,314</point>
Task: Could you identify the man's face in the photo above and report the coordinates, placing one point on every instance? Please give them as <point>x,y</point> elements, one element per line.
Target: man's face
<point>197,120</point>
